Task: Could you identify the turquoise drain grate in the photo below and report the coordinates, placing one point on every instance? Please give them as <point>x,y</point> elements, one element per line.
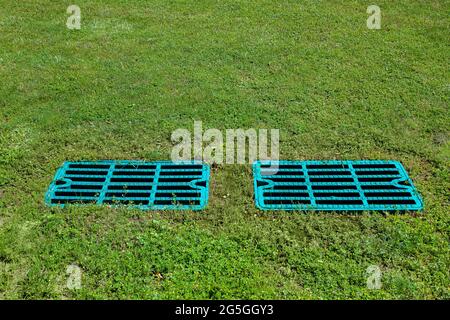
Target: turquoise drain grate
<point>145,185</point>
<point>334,185</point>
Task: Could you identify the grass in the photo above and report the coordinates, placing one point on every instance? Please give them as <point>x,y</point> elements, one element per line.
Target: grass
<point>137,70</point>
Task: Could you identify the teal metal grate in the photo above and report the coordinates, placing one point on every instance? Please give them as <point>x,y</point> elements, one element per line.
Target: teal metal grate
<point>334,185</point>
<point>159,185</point>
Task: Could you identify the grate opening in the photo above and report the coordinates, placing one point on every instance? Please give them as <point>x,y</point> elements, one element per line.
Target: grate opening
<point>332,179</point>
<point>391,201</point>
<point>336,194</point>
<point>329,173</point>
<point>374,173</point>
<point>181,173</point>
<point>200,183</point>
<point>73,201</point>
<point>135,167</point>
<point>378,186</point>
<point>288,202</point>
<point>339,202</point>
<point>133,179</point>
<point>175,179</point>
<point>87,179</point>
<point>374,179</point>
<point>130,187</point>
<point>334,185</point>
<point>126,201</point>
<point>135,173</point>
<point>178,194</point>
<point>282,166</point>
<point>146,185</point>
<point>86,186</point>
<point>326,166</point>
<point>128,194</point>
<point>387,194</point>
<point>374,166</point>
<point>177,202</point>
<point>286,194</point>
<point>75,194</point>
<point>282,173</point>
<point>174,187</point>
<point>288,179</point>
<point>89,166</point>
<point>90,173</point>
<point>182,167</point>
<point>290,187</point>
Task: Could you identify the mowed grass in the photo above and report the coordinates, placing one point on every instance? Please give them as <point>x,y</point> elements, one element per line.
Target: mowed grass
<point>137,70</point>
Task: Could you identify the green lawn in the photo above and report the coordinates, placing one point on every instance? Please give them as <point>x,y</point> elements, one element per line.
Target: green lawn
<point>137,70</point>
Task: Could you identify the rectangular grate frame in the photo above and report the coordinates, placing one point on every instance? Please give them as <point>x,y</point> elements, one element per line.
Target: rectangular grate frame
<point>161,185</point>
<point>334,186</point>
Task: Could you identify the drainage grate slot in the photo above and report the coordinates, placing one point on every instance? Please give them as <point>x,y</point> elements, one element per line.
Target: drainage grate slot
<point>339,202</point>
<point>282,173</point>
<point>392,201</point>
<point>282,166</point>
<point>75,194</point>
<point>336,194</point>
<point>326,166</point>
<point>177,202</point>
<point>87,172</point>
<point>128,194</point>
<point>145,185</point>
<point>134,179</point>
<point>89,166</point>
<point>135,173</point>
<point>184,179</point>
<point>131,187</point>
<point>332,179</point>
<point>376,173</point>
<point>181,173</point>
<point>182,167</point>
<point>287,202</point>
<point>374,166</point>
<point>87,179</point>
<point>286,194</point>
<point>329,173</point>
<point>126,201</point>
<point>289,187</point>
<point>334,185</point>
<point>135,167</point>
<point>178,194</point>
<point>64,201</point>
<point>286,179</point>
<point>380,179</point>
<point>378,186</point>
<point>173,187</point>
<point>387,194</point>
<point>86,186</point>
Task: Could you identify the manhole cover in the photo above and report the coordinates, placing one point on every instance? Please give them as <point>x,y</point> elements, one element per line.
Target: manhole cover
<point>334,185</point>
<point>145,185</point>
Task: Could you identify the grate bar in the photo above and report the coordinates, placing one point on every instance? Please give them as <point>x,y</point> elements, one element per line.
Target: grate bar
<point>358,186</point>
<point>155,183</point>
<point>308,185</point>
<point>105,185</point>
